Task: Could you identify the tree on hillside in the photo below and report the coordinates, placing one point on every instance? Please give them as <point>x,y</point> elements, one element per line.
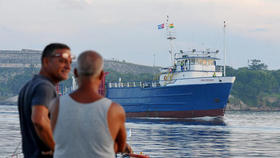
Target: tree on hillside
<point>251,85</point>
<point>230,71</point>
<point>257,65</point>
<point>276,74</point>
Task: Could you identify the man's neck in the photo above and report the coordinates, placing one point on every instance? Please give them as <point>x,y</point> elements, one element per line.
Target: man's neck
<point>89,87</point>
<point>45,74</point>
<point>86,95</point>
<point>87,91</point>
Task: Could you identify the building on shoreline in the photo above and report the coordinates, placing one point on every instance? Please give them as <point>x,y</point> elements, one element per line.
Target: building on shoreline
<point>20,58</point>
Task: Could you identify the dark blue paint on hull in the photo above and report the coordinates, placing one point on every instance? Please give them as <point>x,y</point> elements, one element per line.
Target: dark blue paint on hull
<point>173,101</point>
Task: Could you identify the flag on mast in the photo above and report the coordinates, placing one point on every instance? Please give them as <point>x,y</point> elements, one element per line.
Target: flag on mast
<point>161,26</point>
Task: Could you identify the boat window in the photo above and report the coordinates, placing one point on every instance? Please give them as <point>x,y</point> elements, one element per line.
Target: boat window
<point>199,61</point>
<point>204,62</point>
<point>210,62</point>
<point>192,61</point>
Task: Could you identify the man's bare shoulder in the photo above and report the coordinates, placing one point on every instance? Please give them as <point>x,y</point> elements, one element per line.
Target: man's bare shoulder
<point>117,110</point>
<point>117,107</point>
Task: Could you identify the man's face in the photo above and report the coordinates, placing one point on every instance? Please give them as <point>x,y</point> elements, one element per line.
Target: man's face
<point>59,64</point>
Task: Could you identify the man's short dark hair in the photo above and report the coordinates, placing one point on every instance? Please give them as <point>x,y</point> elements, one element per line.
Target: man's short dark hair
<point>49,49</point>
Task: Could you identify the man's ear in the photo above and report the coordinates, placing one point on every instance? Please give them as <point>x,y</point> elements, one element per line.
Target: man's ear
<point>45,61</point>
<point>101,76</point>
<point>76,73</point>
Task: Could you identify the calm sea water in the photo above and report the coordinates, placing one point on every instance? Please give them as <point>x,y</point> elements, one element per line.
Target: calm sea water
<point>237,134</point>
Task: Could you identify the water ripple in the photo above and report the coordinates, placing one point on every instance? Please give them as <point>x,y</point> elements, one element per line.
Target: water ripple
<point>237,134</point>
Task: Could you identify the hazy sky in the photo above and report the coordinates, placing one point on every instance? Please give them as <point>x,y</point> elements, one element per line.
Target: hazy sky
<point>127,29</point>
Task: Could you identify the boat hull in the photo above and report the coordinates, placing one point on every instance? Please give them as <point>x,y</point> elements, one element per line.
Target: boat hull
<point>178,114</point>
<point>179,101</point>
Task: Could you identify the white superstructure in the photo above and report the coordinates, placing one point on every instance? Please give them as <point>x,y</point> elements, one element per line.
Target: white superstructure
<point>193,67</point>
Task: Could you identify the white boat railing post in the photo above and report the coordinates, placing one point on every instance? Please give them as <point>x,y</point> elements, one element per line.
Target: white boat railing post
<point>224,48</point>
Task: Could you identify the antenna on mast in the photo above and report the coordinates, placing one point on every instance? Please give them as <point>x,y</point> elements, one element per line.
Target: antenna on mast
<point>170,37</point>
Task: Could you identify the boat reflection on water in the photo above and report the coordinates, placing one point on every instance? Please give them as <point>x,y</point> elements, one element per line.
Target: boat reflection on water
<point>200,137</point>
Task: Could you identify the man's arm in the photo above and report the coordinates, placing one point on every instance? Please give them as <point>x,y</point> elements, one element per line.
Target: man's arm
<point>42,125</point>
<point>116,122</point>
<point>121,137</point>
<point>43,94</point>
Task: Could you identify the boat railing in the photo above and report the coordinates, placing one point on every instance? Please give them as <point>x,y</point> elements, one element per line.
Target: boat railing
<point>185,69</point>
<point>145,84</point>
<point>174,71</point>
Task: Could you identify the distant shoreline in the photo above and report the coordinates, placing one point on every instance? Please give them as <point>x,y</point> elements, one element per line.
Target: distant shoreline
<point>245,107</point>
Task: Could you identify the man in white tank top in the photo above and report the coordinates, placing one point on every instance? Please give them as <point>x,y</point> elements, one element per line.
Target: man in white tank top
<point>85,124</point>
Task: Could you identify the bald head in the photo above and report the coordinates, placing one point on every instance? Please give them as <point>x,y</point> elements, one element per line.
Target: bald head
<point>90,63</point>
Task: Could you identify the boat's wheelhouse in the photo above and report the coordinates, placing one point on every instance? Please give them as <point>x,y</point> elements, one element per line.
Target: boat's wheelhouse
<point>191,64</point>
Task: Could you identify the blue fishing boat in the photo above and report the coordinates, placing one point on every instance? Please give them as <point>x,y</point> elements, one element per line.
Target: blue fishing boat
<point>192,86</point>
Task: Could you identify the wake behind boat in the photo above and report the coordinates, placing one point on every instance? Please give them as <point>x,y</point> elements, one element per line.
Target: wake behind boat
<point>192,86</point>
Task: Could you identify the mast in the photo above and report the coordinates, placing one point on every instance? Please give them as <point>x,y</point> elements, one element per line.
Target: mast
<point>170,37</point>
<point>224,48</point>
